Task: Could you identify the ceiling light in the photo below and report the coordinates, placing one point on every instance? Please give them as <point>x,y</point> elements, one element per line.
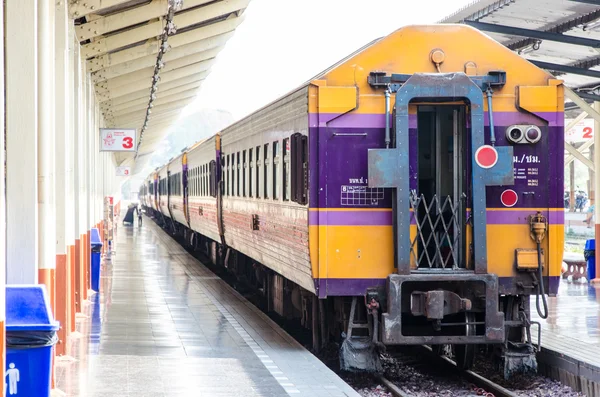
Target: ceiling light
<point>530,48</point>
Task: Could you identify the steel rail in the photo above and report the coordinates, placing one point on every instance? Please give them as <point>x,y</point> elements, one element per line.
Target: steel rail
<point>486,387</point>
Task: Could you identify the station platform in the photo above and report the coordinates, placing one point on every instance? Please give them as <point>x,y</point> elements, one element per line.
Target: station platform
<point>570,339</point>
<point>165,325</point>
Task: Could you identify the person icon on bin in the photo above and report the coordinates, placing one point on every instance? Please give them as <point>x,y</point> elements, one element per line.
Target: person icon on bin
<point>13,378</point>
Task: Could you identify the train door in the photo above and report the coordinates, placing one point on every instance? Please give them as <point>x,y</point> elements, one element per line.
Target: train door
<point>184,182</point>
<point>439,204</point>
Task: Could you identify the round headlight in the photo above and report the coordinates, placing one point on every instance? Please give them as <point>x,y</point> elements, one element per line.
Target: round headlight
<point>514,134</point>
<point>533,134</point>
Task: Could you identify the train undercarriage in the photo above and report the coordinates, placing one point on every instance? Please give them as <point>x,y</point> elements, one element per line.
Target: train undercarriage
<point>359,328</point>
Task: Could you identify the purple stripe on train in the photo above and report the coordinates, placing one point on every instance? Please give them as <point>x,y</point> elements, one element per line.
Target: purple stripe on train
<point>384,218</point>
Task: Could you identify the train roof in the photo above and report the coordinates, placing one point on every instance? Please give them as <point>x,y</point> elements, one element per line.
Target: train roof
<point>306,83</point>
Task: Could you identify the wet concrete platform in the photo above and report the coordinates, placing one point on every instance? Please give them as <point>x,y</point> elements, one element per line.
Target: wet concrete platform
<point>164,325</point>
<point>571,336</point>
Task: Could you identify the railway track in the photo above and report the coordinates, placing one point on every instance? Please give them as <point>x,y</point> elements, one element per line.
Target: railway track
<point>479,385</point>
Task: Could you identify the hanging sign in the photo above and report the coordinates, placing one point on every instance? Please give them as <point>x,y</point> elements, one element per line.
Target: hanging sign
<point>118,140</point>
<point>123,171</point>
<point>581,132</point>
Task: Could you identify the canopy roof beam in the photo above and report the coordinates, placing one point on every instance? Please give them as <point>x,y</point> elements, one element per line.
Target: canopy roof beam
<point>566,68</point>
<point>142,95</point>
<point>193,72</point>
<point>197,61</point>
<point>78,9</point>
<point>211,36</point>
<point>133,16</point>
<point>535,34</point>
<point>154,28</point>
<point>160,101</point>
<point>150,61</point>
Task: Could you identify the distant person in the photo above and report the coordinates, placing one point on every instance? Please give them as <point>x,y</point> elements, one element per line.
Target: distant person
<point>590,216</point>
<point>129,215</point>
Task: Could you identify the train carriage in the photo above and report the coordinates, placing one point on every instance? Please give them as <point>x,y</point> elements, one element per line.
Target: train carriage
<point>202,179</point>
<point>163,191</point>
<point>261,217</point>
<point>410,192</point>
<point>176,190</point>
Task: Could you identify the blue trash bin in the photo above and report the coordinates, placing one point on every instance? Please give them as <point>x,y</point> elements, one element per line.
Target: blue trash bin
<point>30,338</point>
<point>96,244</point>
<point>590,256</point>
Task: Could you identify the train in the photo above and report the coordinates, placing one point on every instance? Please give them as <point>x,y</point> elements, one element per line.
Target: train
<point>410,194</point>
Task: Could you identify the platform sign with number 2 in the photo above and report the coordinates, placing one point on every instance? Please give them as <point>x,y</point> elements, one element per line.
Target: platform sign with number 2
<point>118,140</point>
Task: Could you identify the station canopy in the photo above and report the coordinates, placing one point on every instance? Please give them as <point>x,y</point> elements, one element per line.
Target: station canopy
<point>148,59</point>
<point>561,36</point>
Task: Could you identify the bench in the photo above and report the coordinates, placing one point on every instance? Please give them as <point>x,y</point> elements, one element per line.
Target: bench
<point>574,265</point>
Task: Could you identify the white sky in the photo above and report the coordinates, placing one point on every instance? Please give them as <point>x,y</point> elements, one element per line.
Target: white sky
<point>283,43</point>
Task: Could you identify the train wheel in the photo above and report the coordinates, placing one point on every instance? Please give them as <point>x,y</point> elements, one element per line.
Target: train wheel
<point>464,355</point>
<point>442,350</point>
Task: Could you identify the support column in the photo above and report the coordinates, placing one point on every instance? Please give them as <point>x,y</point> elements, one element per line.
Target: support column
<point>21,142</point>
<point>572,186</point>
<point>592,186</point>
<point>2,213</point>
<point>70,218</point>
<point>78,108</point>
<point>46,148</point>
<point>62,126</point>
<point>596,107</point>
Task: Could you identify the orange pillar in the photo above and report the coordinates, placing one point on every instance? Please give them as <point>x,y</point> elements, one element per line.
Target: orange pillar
<point>62,302</point>
<point>48,278</point>
<point>72,289</point>
<point>84,267</point>
<point>87,251</point>
<point>78,269</point>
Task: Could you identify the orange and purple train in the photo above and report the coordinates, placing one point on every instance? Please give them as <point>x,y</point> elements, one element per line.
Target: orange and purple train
<point>409,194</point>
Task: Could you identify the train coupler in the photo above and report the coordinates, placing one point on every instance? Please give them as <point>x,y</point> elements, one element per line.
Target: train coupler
<point>433,307</point>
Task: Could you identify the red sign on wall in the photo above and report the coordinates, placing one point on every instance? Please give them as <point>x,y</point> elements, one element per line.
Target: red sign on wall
<point>118,140</point>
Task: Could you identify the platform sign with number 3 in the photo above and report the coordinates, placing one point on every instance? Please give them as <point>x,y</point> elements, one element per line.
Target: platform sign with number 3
<point>118,140</point>
<point>123,171</point>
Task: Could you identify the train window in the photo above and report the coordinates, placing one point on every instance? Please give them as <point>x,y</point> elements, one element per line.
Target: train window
<point>204,177</point>
<point>275,169</point>
<point>226,181</point>
<point>299,168</point>
<point>266,171</point>
<point>250,173</point>
<point>244,168</point>
<point>212,170</point>
<point>286,169</point>
<point>222,176</point>
<point>237,175</point>
<point>258,172</point>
